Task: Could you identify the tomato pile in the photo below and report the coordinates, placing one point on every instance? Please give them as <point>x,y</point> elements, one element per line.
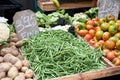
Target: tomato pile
<point>104,32</point>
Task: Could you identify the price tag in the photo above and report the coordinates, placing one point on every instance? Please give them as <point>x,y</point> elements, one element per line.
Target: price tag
<point>107,7</point>
<point>25,24</point>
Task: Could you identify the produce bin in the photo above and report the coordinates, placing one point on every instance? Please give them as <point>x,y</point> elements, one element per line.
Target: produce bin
<point>48,5</point>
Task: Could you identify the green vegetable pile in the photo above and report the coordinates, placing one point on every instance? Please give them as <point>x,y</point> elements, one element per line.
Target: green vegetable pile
<point>58,53</point>
<point>92,12</point>
<point>51,19</point>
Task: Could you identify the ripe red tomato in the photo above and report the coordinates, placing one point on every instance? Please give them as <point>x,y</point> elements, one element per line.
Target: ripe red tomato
<point>96,45</point>
<point>88,37</point>
<point>110,55</point>
<point>90,22</point>
<point>97,28</point>
<point>116,61</point>
<point>82,32</point>
<point>92,32</point>
<point>109,44</point>
<point>92,42</point>
<point>88,26</point>
<point>106,36</point>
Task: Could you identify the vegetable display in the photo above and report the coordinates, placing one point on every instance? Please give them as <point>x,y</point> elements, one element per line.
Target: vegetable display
<point>13,66</point>
<point>54,18</point>
<point>56,53</point>
<point>103,32</point>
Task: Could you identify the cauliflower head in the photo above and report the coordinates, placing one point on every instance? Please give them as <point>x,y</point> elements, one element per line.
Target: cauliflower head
<point>4,32</point>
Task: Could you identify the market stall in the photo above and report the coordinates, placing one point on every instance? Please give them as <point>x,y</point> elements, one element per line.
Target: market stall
<point>57,46</point>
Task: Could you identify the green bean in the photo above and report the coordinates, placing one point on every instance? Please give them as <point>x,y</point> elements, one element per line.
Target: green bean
<point>59,53</point>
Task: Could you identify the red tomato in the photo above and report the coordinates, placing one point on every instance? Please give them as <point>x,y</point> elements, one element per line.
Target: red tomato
<point>109,44</point>
<point>97,28</point>
<point>92,32</point>
<point>92,42</point>
<point>106,36</point>
<point>110,55</point>
<point>82,32</point>
<point>88,37</point>
<point>88,26</point>
<point>96,45</point>
<point>116,61</point>
<point>105,51</point>
<point>91,22</point>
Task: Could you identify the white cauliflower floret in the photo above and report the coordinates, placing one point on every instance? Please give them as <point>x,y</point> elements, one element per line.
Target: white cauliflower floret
<point>4,32</point>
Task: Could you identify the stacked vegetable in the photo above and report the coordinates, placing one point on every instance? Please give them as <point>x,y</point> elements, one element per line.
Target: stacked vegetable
<point>103,32</point>
<point>51,19</point>
<point>13,66</point>
<point>56,53</point>
<point>54,18</point>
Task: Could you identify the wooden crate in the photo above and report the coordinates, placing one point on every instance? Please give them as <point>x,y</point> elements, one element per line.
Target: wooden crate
<point>49,5</point>
<point>91,75</point>
<point>111,70</point>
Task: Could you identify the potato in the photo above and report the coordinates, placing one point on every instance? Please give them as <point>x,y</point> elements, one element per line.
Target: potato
<point>21,42</point>
<point>6,79</point>
<point>24,69</point>
<point>18,64</point>
<point>29,73</point>
<point>4,67</point>
<point>11,50</point>
<point>12,44</point>
<point>2,75</point>
<point>14,35</point>
<point>1,59</point>
<point>13,72</point>
<point>15,39</point>
<point>26,63</point>
<point>14,51</point>
<point>10,58</point>
<point>20,56</point>
<point>21,76</point>
<point>5,51</point>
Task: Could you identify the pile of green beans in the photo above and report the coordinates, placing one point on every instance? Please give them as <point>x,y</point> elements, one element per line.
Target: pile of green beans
<point>56,53</point>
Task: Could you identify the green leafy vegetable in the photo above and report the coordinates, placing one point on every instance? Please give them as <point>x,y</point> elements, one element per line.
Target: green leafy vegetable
<point>51,19</point>
<point>92,12</point>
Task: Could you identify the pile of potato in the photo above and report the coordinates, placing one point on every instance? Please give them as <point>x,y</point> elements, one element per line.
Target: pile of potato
<point>13,66</point>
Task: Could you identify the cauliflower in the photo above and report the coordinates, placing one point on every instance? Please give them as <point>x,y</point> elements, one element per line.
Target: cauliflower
<point>3,19</point>
<point>4,32</point>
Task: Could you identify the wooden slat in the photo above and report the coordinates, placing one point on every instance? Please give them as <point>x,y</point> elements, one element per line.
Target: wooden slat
<point>106,61</point>
<point>49,6</point>
<point>91,75</point>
